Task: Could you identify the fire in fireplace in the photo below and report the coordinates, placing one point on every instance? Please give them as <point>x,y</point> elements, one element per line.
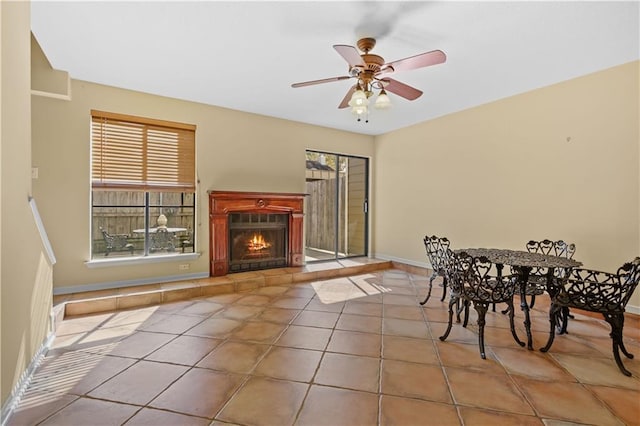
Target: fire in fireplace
<point>257,241</point>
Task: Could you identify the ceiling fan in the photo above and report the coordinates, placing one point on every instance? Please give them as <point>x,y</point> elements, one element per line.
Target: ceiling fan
<point>371,72</point>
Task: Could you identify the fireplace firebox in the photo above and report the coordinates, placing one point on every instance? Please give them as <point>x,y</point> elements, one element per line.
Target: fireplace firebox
<point>257,241</point>
<point>254,230</point>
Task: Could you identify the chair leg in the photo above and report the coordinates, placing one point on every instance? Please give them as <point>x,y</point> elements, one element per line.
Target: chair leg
<point>433,277</point>
<point>554,311</point>
<point>453,300</point>
<point>533,301</point>
<point>466,313</point>
<point>481,309</point>
<point>512,325</point>
<point>444,289</point>
<point>616,321</point>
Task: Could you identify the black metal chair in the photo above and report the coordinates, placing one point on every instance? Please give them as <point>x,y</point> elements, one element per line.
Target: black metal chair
<point>116,242</point>
<point>538,281</point>
<point>436,248</point>
<point>479,281</point>
<point>600,292</point>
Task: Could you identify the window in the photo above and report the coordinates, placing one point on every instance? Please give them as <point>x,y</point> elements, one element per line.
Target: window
<point>143,186</point>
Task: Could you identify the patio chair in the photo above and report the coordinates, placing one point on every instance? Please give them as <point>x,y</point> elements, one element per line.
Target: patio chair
<point>436,248</point>
<point>115,242</point>
<point>600,292</point>
<point>186,240</point>
<point>478,281</point>
<point>162,240</point>
<point>538,281</point>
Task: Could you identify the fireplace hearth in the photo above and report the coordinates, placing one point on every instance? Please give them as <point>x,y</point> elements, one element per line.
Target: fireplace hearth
<point>257,241</point>
<point>251,231</point>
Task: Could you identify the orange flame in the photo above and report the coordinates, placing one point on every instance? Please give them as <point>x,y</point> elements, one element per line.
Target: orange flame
<point>257,242</point>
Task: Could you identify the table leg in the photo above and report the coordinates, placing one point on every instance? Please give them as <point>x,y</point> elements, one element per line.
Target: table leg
<point>523,277</point>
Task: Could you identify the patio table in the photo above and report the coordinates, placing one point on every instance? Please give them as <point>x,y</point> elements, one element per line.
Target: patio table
<point>522,263</point>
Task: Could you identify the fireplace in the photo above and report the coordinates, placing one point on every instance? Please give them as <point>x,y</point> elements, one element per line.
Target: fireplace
<point>251,231</point>
<point>257,241</point>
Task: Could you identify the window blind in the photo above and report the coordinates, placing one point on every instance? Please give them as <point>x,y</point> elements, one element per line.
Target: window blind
<point>138,153</point>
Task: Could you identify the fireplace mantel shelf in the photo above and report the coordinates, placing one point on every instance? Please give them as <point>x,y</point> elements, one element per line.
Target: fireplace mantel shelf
<point>222,203</point>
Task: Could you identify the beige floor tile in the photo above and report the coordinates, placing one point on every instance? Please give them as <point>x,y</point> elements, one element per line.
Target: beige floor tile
<point>413,313</point>
<point>318,305</point>
<point>77,372</point>
<point>200,392</point>
<point>407,349</point>
<point>240,312</point>
<point>565,401</point>
<point>152,417</point>
<point>624,403</point>
<point>317,319</point>
<point>254,300</point>
<point>263,401</point>
<point>305,337</point>
<point>362,308</point>
<point>532,364</point>
<point>469,387</point>
<point>235,357</point>
<point>186,350</point>
<point>140,383</point>
<point>349,371</point>
<point>597,371</point>
<point>480,417</point>
<point>400,299</point>
<point>278,315</point>
<point>174,324</point>
<point>140,344</point>
<point>405,328</point>
<point>258,331</point>
<point>287,302</point>
<point>404,411</point>
<point>337,407</point>
<point>463,355</point>
<point>412,380</point>
<point>35,406</point>
<point>84,411</point>
<point>364,323</point>
<point>364,318</point>
<point>289,364</point>
<point>202,308</point>
<point>215,327</point>
<point>355,343</point>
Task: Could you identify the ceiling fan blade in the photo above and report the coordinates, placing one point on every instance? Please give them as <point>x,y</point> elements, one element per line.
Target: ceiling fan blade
<point>347,97</point>
<point>401,89</point>
<point>413,62</point>
<point>324,80</point>
<point>350,54</point>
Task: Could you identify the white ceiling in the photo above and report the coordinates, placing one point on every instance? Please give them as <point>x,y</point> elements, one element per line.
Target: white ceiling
<point>245,55</point>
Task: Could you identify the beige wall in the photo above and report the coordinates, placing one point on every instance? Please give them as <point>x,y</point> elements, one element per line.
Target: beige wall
<point>560,162</point>
<point>25,271</point>
<point>235,151</point>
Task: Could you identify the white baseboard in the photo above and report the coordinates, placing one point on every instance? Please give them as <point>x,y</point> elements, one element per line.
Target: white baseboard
<point>25,378</point>
<point>400,260</point>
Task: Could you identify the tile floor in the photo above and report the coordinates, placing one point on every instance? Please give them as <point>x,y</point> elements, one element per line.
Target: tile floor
<point>347,351</point>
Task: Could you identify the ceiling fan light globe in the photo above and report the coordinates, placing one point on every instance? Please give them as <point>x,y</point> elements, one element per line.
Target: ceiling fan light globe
<point>359,110</point>
<point>359,98</point>
<point>382,101</point>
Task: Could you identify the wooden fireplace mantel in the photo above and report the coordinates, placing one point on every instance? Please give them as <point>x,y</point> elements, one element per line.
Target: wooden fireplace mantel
<point>222,203</point>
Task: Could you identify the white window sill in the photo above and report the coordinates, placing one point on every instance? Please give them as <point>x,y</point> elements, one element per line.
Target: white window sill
<point>141,260</point>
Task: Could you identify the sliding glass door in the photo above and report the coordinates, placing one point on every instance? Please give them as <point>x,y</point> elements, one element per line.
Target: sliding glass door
<point>336,208</point>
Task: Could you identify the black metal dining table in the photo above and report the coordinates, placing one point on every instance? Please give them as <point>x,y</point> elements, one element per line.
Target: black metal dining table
<point>522,263</point>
